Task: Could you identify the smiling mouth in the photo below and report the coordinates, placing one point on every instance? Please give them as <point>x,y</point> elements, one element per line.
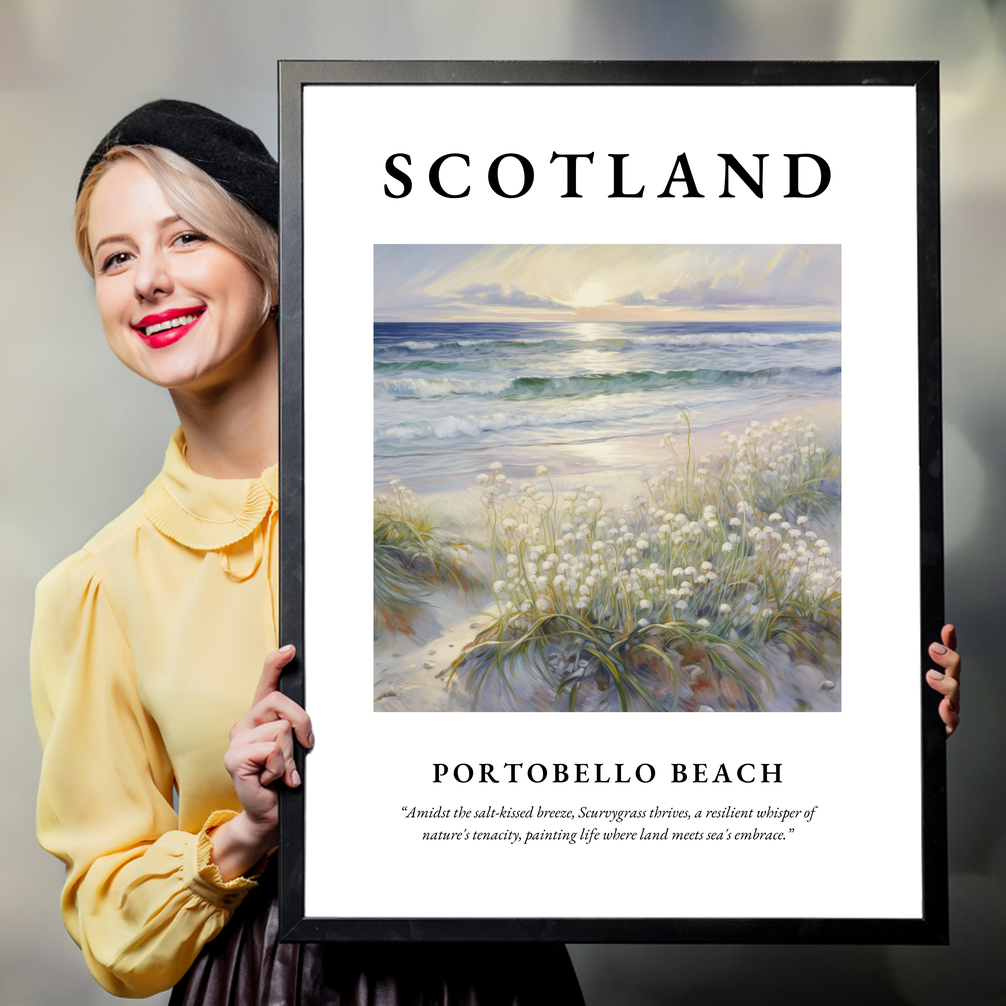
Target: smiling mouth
<point>164,326</point>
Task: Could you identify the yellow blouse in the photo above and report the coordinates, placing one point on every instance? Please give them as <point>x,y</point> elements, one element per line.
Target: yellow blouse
<point>147,647</point>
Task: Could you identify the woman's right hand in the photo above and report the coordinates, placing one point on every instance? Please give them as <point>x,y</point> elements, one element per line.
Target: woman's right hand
<point>259,754</point>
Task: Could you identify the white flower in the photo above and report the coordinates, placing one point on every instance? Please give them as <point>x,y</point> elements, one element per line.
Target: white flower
<point>681,605</point>
<point>644,622</point>
<point>820,543</point>
<point>525,606</point>
<point>509,522</point>
<point>766,612</point>
<point>704,622</point>
<point>498,586</point>
<point>541,604</point>
<point>824,551</point>
<point>725,609</point>
<point>559,580</point>
<point>802,520</point>
<point>726,547</point>
<point>541,470</point>
<point>531,568</point>
<point>495,466</point>
<point>645,605</point>
<point>735,522</point>
<point>589,581</point>
<point>482,478</point>
<point>584,591</point>
<point>642,544</point>
<point>775,516</point>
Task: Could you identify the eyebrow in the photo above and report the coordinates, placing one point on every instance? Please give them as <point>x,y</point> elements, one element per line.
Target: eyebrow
<point>111,238</point>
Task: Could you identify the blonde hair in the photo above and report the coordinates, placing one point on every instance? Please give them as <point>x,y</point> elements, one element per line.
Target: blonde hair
<point>199,200</point>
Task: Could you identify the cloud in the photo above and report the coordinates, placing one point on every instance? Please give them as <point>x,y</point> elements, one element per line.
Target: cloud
<point>635,299</point>
<point>483,294</point>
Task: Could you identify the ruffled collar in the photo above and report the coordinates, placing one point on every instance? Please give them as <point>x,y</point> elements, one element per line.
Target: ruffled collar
<point>203,513</point>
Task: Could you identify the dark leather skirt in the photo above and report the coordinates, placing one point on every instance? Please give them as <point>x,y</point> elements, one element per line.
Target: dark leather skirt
<point>247,966</point>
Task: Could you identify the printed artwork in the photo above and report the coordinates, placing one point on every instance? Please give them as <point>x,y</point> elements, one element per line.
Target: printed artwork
<point>607,478</point>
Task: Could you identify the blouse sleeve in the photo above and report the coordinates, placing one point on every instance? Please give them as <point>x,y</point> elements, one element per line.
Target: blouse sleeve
<point>141,898</point>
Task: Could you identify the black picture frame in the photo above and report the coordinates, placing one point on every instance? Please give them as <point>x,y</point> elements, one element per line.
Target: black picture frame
<point>931,925</point>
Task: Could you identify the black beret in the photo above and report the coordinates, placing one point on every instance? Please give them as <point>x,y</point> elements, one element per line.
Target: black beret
<point>230,154</point>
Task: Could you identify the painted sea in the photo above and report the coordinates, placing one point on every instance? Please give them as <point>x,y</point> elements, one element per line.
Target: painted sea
<point>451,397</point>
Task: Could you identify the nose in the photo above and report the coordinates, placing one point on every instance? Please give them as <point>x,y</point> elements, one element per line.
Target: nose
<point>152,277</point>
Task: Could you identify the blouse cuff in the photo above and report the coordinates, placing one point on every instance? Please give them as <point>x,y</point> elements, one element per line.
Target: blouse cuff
<point>202,876</point>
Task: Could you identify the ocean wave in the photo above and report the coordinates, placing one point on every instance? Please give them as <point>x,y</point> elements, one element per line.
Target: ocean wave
<point>437,387</point>
<point>576,342</point>
<point>452,427</point>
<point>585,385</point>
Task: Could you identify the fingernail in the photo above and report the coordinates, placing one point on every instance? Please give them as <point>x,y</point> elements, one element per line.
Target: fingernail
<point>295,777</point>
<point>287,649</point>
<point>310,740</point>
<point>936,676</point>
<point>938,648</point>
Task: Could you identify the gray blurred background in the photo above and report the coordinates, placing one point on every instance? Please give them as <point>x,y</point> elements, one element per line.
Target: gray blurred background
<point>82,436</point>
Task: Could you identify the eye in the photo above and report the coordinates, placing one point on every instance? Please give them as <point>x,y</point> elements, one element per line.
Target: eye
<point>115,261</point>
<point>189,239</point>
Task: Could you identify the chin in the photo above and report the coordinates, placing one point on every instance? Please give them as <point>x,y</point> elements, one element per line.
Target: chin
<point>170,375</point>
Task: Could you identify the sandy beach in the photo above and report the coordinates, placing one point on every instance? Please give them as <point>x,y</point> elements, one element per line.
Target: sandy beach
<point>412,669</point>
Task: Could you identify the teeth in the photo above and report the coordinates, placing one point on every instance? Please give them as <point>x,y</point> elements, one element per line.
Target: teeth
<point>174,323</point>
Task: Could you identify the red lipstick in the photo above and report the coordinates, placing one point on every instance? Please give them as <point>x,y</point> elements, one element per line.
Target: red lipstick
<point>166,327</point>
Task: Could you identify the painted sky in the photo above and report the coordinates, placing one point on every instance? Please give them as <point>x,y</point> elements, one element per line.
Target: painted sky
<point>607,282</point>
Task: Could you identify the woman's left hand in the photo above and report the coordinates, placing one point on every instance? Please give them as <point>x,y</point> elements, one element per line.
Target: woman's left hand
<point>947,682</point>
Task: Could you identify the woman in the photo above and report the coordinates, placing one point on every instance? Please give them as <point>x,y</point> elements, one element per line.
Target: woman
<point>148,643</point>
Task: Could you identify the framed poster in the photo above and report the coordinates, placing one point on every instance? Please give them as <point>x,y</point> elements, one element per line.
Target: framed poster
<point>634,368</point>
